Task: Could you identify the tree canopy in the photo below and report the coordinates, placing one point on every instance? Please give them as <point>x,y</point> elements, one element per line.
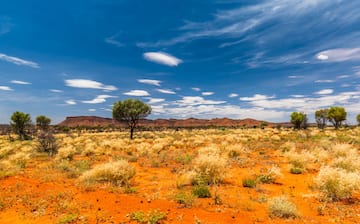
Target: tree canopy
<point>43,122</point>
<point>321,117</point>
<point>19,122</point>
<point>358,118</point>
<point>131,111</point>
<point>336,115</point>
<point>298,119</point>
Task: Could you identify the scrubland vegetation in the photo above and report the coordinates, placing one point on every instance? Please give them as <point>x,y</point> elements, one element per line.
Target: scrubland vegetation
<point>186,176</point>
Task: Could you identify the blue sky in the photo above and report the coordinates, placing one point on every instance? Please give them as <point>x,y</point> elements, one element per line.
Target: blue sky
<point>204,59</point>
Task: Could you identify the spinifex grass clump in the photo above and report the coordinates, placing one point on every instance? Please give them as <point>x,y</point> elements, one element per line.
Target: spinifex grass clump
<point>282,207</point>
<point>210,166</point>
<point>118,173</point>
<point>337,183</point>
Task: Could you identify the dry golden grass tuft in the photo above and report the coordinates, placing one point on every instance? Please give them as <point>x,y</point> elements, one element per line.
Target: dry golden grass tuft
<point>117,173</point>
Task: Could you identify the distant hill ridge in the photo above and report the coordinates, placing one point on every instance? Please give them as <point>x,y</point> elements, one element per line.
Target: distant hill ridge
<point>93,121</point>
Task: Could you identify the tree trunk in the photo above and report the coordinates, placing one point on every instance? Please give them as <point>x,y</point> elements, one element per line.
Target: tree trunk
<point>131,132</point>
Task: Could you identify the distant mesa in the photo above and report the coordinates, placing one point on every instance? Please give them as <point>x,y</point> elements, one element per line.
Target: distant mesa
<point>94,121</point>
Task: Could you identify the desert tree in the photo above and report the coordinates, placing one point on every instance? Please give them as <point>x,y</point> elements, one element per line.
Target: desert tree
<point>19,123</point>
<point>321,118</point>
<point>130,111</point>
<point>336,115</point>
<point>298,119</point>
<point>43,122</point>
<point>358,119</point>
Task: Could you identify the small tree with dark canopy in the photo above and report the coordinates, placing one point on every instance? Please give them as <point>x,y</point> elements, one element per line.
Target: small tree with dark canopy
<point>19,122</point>
<point>321,118</point>
<point>131,111</point>
<point>43,122</point>
<point>358,119</point>
<point>336,115</point>
<point>299,120</point>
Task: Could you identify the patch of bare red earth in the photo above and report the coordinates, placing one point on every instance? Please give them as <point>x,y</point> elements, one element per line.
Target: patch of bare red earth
<point>156,188</point>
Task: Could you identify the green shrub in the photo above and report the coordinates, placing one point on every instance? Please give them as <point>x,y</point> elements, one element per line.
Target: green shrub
<point>152,217</point>
<point>201,191</point>
<point>296,170</point>
<point>250,183</point>
<point>265,179</point>
<point>184,198</point>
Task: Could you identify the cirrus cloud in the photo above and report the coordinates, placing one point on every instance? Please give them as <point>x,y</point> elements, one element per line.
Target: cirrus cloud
<point>18,61</point>
<point>70,102</point>
<point>256,97</point>
<point>88,84</point>
<point>98,99</point>
<point>339,55</point>
<point>150,82</point>
<point>137,92</point>
<point>20,82</point>
<point>162,58</point>
<point>324,92</point>
<point>166,91</point>
<point>5,88</point>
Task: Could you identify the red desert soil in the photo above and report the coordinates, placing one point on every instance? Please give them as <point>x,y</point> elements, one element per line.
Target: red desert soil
<point>41,194</point>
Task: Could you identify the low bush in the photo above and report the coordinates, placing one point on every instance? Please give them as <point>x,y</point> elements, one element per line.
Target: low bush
<point>118,173</point>
<point>248,182</point>
<point>282,207</point>
<point>337,183</point>
<point>201,191</point>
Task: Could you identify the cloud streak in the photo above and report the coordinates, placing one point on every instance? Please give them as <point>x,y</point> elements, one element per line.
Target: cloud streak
<point>166,91</point>
<point>137,92</point>
<point>18,61</point>
<point>339,55</point>
<point>162,58</point>
<point>150,82</point>
<point>6,88</point>
<point>98,99</point>
<point>89,84</point>
<point>20,82</point>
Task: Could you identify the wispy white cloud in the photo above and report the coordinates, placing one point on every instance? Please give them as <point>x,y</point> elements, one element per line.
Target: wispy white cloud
<point>150,81</point>
<point>154,100</point>
<point>98,99</point>
<point>91,110</point>
<point>162,58</point>
<point>20,82</point>
<point>113,40</point>
<point>213,110</point>
<point>6,88</point>
<point>325,81</point>
<point>324,92</point>
<point>232,95</point>
<point>137,92</point>
<point>349,100</point>
<point>256,97</point>
<point>239,22</point>
<point>342,76</point>
<point>166,91</point>
<point>18,61</point>
<point>70,102</point>
<point>56,91</point>
<point>197,100</point>
<point>295,76</point>
<point>196,89</point>
<point>339,55</point>
<point>88,84</point>
<point>298,96</point>
<point>207,93</point>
